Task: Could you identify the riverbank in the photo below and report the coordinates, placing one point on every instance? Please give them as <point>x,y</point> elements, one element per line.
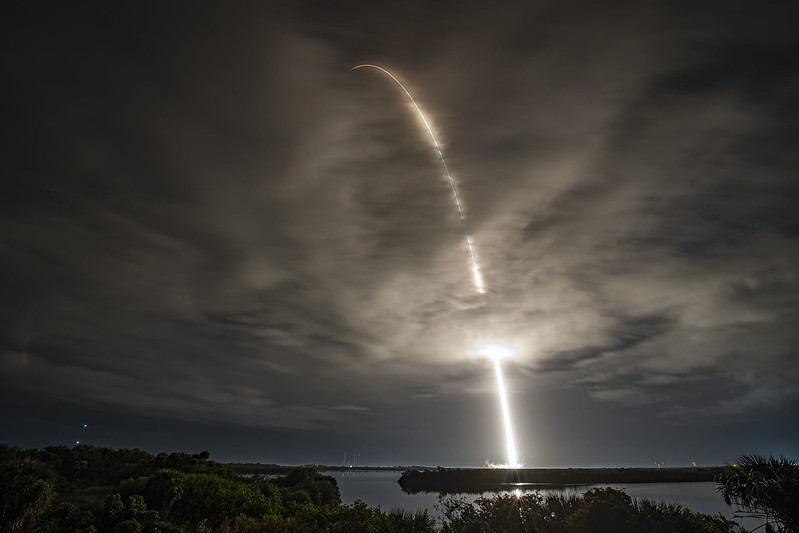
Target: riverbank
<point>477,480</point>
<point>251,469</point>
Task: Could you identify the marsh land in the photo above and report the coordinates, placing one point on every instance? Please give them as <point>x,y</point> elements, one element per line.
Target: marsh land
<point>90,489</point>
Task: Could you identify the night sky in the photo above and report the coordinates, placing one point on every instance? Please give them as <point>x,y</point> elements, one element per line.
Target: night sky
<point>216,236</point>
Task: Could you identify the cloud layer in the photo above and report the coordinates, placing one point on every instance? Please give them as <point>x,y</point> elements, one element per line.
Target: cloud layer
<point>209,219</point>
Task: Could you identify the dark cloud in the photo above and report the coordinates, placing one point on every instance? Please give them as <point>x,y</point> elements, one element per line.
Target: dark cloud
<point>624,335</point>
<point>209,223</point>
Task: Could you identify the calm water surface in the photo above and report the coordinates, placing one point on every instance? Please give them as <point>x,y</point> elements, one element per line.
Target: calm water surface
<point>380,488</point>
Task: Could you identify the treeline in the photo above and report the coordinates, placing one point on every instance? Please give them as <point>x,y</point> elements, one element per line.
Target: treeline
<point>275,469</point>
<point>86,466</point>
<point>91,489</point>
<point>88,489</point>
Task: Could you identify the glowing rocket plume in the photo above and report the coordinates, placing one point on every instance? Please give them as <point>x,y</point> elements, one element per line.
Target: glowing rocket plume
<point>496,353</point>
<point>478,277</point>
<point>510,444</point>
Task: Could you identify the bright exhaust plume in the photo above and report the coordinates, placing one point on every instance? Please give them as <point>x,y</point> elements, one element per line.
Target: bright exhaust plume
<point>496,353</point>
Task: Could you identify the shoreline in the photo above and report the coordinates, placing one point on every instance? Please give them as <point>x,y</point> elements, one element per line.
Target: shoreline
<point>451,480</point>
<point>414,479</point>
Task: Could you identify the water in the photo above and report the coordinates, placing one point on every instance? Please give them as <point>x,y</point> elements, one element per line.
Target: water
<point>380,488</point>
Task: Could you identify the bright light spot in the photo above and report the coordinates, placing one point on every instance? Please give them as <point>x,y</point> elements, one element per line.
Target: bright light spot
<point>496,353</point>
<point>85,425</point>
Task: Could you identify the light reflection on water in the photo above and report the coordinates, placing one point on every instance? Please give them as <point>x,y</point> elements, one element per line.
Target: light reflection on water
<point>380,488</point>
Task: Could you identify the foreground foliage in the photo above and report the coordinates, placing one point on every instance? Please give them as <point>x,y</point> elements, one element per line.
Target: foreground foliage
<point>596,511</point>
<point>89,490</point>
<point>764,487</point>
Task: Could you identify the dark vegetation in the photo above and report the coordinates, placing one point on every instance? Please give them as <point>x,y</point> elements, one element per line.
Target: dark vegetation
<point>479,480</point>
<point>89,489</point>
<point>597,511</point>
<point>271,469</point>
<point>765,488</point>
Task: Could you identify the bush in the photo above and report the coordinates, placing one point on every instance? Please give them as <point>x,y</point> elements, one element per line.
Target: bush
<point>603,511</point>
<point>503,512</point>
<point>192,498</point>
<point>596,511</point>
<point>401,521</point>
<point>306,484</point>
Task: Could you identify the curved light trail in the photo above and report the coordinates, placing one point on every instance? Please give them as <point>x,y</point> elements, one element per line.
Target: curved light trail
<point>478,277</point>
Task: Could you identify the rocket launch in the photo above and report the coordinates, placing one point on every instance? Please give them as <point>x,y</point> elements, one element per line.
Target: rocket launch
<point>477,275</point>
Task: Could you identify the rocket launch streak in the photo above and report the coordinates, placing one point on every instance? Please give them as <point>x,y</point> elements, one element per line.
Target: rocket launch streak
<point>496,353</point>
<point>478,277</point>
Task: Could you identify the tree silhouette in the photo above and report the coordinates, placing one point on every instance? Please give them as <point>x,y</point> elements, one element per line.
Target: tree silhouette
<point>764,487</point>
<point>25,494</point>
